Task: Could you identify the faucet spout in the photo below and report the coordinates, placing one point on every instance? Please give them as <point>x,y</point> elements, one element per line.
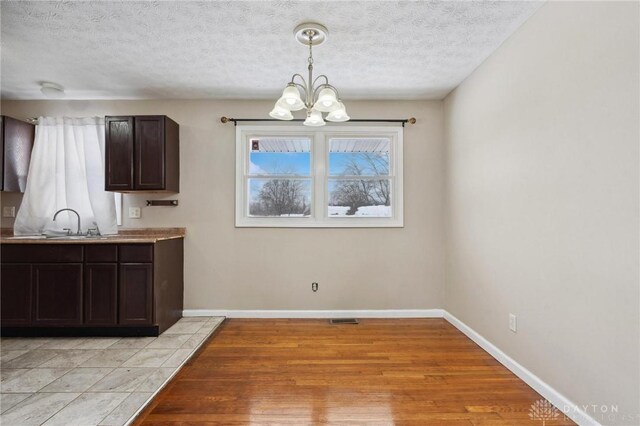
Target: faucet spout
<point>69,210</point>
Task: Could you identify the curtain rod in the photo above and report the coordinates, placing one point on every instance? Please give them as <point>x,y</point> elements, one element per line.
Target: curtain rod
<point>235,121</point>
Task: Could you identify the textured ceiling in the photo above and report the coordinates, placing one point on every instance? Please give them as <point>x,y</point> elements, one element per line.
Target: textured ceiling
<point>197,50</point>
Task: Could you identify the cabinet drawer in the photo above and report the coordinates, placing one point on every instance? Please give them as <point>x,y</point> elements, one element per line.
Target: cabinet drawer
<point>97,253</point>
<point>135,253</point>
<point>36,253</point>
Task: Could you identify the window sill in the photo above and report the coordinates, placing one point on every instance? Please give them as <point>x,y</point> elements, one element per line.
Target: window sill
<point>308,222</point>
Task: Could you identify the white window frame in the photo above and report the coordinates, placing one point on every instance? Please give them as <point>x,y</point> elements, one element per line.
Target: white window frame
<point>319,154</point>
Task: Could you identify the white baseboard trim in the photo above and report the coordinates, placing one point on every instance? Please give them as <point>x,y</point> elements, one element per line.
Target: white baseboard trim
<point>565,405</point>
<point>382,313</point>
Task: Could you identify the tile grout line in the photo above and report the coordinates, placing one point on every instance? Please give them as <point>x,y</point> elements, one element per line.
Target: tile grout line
<point>163,384</point>
<point>171,376</point>
<point>75,368</point>
<point>175,370</point>
<point>61,408</point>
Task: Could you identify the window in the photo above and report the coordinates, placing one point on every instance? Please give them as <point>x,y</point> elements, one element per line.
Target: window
<point>333,177</point>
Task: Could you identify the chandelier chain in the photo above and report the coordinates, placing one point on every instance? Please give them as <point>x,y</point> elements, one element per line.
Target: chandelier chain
<point>310,48</point>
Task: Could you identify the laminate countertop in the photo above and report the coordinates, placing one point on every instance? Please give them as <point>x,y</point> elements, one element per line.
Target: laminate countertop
<point>124,236</point>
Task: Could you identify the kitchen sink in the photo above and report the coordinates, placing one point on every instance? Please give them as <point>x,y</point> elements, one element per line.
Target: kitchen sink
<point>61,237</point>
<point>69,237</point>
<point>79,237</point>
<point>27,237</point>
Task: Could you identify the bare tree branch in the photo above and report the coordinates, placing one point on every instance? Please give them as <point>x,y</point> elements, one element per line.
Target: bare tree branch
<point>356,193</point>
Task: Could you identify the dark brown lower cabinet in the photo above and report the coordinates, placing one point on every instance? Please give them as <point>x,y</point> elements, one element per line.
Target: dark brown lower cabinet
<point>15,294</point>
<point>57,294</point>
<point>136,293</point>
<point>101,293</point>
<point>110,289</point>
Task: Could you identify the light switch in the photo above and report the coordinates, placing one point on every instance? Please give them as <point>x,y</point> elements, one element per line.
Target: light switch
<point>134,212</point>
<point>9,211</point>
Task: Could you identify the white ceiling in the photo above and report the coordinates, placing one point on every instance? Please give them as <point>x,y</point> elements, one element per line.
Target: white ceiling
<point>240,49</point>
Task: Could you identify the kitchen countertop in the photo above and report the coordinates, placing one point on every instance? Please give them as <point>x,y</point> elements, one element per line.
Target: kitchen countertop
<point>124,236</point>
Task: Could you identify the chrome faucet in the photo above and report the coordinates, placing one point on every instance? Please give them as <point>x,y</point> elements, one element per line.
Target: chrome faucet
<point>67,229</point>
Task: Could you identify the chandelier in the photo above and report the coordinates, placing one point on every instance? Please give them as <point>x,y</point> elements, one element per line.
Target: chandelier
<point>319,95</point>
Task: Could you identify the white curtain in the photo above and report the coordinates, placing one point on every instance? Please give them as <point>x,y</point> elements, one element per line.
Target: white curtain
<point>67,171</point>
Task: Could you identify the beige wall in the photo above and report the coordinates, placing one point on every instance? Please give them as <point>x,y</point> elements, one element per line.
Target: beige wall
<point>229,268</point>
<point>542,210</point>
<point>542,201</point>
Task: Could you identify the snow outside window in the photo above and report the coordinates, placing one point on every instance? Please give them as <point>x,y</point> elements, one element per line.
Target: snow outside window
<point>334,177</point>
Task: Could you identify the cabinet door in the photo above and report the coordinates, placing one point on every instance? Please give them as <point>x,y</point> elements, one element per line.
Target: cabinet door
<point>17,143</point>
<point>100,293</point>
<point>119,153</point>
<point>150,153</point>
<point>57,294</point>
<point>1,153</point>
<point>15,294</point>
<point>135,298</point>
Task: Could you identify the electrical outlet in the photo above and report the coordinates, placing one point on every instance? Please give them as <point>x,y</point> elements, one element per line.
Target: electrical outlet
<point>134,212</point>
<point>9,211</point>
<point>314,287</point>
<point>513,323</point>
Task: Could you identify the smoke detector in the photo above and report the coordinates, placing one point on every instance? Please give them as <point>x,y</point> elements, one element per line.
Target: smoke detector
<point>52,90</point>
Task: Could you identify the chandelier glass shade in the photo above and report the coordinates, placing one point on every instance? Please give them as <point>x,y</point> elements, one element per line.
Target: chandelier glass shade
<point>290,98</point>
<point>314,119</point>
<point>281,113</point>
<point>339,114</point>
<point>313,95</point>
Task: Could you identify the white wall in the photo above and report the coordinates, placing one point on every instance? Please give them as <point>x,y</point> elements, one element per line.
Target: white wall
<point>542,201</point>
<point>245,268</point>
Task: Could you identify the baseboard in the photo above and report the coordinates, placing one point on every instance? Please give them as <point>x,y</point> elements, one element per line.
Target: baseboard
<point>566,406</point>
<point>382,313</point>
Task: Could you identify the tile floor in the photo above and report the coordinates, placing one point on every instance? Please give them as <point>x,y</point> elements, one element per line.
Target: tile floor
<point>91,381</point>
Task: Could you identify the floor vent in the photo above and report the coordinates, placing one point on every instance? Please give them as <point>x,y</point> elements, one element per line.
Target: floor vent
<point>343,321</point>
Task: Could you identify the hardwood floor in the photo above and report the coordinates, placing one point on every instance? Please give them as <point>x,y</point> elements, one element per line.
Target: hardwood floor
<point>382,372</point>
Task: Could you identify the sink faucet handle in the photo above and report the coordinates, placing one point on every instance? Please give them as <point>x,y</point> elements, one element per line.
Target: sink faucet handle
<point>68,230</point>
<point>93,231</point>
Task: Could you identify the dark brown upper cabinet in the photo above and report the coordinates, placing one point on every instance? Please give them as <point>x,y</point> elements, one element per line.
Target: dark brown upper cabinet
<point>16,143</point>
<point>119,153</point>
<point>142,154</point>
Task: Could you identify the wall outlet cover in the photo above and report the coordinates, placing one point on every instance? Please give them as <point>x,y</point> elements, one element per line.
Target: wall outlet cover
<point>134,212</point>
<point>513,323</point>
<point>9,211</point>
